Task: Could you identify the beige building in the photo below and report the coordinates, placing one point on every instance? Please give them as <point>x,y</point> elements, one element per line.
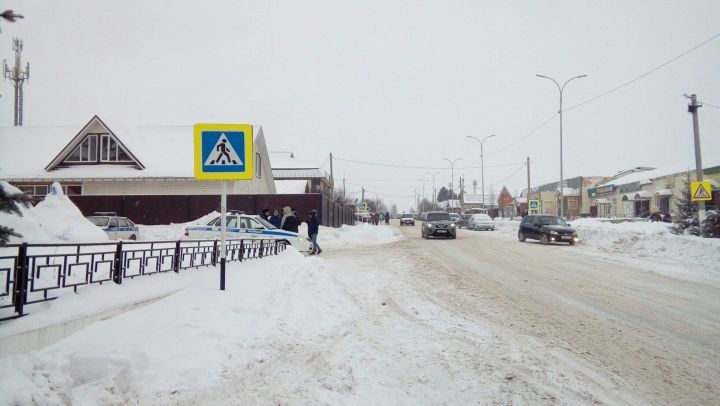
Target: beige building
<point>102,159</point>
<point>641,191</point>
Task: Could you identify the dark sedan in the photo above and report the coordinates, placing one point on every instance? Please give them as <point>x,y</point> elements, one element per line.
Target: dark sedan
<point>547,229</point>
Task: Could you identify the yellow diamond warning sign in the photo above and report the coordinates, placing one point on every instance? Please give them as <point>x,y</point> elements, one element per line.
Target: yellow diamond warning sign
<point>700,191</point>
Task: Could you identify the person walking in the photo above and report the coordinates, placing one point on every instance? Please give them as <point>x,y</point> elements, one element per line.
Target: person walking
<point>387,218</point>
<point>275,219</point>
<point>289,221</point>
<point>313,227</point>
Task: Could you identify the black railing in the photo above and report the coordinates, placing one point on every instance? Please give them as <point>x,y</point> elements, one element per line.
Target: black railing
<point>29,272</point>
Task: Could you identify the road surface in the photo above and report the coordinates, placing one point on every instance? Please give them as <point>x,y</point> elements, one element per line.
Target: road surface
<point>651,338</point>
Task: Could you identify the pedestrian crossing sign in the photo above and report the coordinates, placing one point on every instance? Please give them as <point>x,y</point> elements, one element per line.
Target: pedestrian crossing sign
<point>223,151</point>
<point>534,204</point>
<point>700,191</point>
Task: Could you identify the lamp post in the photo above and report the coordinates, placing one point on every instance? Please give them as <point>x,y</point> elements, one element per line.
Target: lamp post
<point>482,165</point>
<point>452,175</point>
<point>423,190</point>
<point>562,181</point>
<point>433,188</point>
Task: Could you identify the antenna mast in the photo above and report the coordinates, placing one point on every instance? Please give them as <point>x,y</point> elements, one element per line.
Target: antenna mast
<point>18,76</point>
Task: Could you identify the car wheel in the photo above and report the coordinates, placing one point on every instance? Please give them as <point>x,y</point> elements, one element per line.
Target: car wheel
<point>133,237</point>
<point>521,236</point>
<point>544,239</point>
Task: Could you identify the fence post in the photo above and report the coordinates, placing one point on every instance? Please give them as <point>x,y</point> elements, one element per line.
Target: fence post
<point>261,248</point>
<point>276,244</point>
<point>21,278</point>
<point>176,260</point>
<point>117,278</point>
<point>242,249</point>
<point>214,255</point>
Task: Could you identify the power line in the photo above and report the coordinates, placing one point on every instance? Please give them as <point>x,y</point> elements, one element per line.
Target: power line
<point>710,105</point>
<point>635,79</point>
<point>421,167</point>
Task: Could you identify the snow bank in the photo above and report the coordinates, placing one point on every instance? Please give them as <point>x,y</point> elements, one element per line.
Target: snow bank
<point>649,240</point>
<point>172,231</point>
<point>56,219</point>
<point>360,234</point>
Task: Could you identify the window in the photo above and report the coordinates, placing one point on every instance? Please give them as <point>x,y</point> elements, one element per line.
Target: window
<point>258,166</point>
<point>244,223</point>
<point>71,190</point>
<point>110,151</point>
<point>231,222</point>
<point>86,151</point>
<point>113,222</point>
<point>255,225</point>
<point>122,223</point>
<point>34,190</point>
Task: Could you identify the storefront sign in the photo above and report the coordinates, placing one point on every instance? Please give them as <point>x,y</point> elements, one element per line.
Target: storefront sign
<point>592,192</point>
<point>629,188</point>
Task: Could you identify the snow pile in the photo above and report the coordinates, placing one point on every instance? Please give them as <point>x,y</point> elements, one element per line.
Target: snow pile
<point>360,234</point>
<point>172,231</point>
<point>56,219</point>
<point>649,240</point>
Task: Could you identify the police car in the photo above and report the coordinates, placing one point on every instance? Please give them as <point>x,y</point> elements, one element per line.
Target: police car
<point>115,227</point>
<point>240,225</point>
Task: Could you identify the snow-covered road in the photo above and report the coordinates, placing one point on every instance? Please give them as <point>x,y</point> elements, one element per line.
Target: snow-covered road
<point>383,319</point>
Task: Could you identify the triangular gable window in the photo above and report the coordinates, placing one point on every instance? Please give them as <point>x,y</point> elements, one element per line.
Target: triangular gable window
<point>99,148</point>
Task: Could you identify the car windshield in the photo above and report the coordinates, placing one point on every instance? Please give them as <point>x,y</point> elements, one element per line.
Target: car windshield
<point>438,216</point>
<point>552,221</point>
<point>407,216</point>
<point>265,223</point>
<point>99,221</point>
<point>482,217</point>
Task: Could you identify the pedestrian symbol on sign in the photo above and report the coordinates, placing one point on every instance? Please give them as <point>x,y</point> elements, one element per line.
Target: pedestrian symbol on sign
<point>700,191</point>
<point>224,153</point>
<point>533,204</point>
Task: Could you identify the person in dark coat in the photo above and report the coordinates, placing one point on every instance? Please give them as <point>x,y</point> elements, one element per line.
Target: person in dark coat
<point>289,221</point>
<point>275,219</point>
<point>387,217</point>
<point>265,213</point>
<point>313,227</point>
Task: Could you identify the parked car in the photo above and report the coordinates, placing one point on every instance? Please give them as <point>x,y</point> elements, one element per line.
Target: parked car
<point>464,219</point>
<point>240,225</point>
<point>481,222</point>
<point>116,227</point>
<point>407,218</point>
<point>438,224</point>
<point>547,229</point>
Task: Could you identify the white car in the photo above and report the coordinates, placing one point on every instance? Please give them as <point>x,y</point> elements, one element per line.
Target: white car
<point>245,226</point>
<point>116,227</point>
<point>481,222</point>
<point>407,218</point>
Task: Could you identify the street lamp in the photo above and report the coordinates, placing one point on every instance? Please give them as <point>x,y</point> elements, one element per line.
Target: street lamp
<point>482,164</point>
<point>452,175</point>
<point>562,181</point>
<point>433,189</point>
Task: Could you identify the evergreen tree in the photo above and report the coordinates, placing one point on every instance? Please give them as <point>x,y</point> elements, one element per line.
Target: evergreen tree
<point>443,194</point>
<point>688,223</point>
<point>9,204</point>
<point>711,224</point>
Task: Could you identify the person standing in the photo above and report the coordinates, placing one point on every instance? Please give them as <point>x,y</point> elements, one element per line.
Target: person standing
<point>387,218</point>
<point>275,219</point>
<point>289,221</point>
<point>313,227</point>
<point>265,213</point>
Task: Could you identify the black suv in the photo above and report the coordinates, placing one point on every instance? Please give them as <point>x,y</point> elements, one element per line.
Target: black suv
<point>547,229</point>
<point>438,224</point>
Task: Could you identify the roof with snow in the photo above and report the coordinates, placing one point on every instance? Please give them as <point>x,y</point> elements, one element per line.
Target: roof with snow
<point>291,187</point>
<point>646,176</point>
<point>156,151</point>
<point>299,173</point>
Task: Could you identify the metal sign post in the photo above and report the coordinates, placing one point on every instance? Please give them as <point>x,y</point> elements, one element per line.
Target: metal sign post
<point>223,214</point>
<point>223,152</point>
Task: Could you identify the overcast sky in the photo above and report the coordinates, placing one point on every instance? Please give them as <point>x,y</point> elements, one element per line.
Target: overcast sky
<point>393,82</point>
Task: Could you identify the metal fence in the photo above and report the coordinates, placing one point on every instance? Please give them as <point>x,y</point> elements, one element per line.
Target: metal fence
<point>30,272</point>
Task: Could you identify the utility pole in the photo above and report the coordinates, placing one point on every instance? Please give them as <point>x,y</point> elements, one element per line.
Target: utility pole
<point>693,108</point>
<point>362,197</point>
<point>528,189</point>
<point>344,192</point>
<point>332,180</point>
<point>18,77</point>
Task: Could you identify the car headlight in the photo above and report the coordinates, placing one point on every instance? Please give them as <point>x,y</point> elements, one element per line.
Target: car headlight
<point>429,225</point>
<point>553,233</point>
<point>452,225</point>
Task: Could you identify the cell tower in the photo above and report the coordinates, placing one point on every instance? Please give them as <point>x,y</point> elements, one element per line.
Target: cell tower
<point>18,77</point>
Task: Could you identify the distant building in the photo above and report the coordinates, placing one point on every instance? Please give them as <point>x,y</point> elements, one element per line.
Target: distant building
<point>293,176</point>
